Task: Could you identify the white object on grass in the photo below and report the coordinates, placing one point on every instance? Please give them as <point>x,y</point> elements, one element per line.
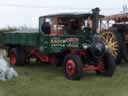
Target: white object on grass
<point>10,73</point>
<point>6,72</point>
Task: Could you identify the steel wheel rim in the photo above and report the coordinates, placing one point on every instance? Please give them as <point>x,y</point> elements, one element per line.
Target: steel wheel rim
<point>70,67</point>
<point>13,58</point>
<point>111,41</point>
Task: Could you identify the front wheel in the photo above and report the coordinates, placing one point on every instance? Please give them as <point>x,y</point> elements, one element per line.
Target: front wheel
<point>73,67</point>
<point>108,64</point>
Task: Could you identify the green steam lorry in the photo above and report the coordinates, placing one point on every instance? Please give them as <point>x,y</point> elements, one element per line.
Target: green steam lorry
<point>70,39</point>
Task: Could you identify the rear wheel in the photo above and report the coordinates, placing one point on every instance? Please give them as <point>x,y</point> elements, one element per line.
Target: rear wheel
<point>13,58</point>
<point>73,67</point>
<point>108,65</point>
<point>17,56</point>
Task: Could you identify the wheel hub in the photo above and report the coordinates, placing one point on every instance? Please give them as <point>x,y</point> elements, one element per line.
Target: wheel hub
<point>70,67</point>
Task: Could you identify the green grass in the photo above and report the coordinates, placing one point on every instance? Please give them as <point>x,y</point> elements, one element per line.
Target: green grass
<point>48,80</point>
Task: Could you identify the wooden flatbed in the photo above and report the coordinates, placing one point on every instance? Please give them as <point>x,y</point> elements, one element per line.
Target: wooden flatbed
<point>19,38</point>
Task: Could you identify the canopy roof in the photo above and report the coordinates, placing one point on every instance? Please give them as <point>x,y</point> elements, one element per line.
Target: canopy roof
<point>85,15</point>
<point>122,17</point>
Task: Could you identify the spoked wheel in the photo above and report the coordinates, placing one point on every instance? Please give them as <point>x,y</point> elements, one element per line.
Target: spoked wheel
<point>107,65</point>
<point>73,67</point>
<point>113,40</point>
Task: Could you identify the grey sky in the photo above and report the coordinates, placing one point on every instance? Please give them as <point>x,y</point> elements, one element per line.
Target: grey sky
<point>26,12</point>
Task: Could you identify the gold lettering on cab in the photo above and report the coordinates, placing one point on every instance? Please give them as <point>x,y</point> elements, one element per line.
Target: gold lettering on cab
<point>67,40</point>
<point>71,42</point>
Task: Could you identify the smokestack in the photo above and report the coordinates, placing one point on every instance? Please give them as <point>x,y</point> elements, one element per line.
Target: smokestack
<point>95,19</point>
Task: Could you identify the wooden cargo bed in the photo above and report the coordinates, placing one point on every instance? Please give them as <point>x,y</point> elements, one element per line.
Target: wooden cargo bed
<point>20,38</point>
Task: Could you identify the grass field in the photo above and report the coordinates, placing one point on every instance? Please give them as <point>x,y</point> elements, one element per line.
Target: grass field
<point>47,80</point>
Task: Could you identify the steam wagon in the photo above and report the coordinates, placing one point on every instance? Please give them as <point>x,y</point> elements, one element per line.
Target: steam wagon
<point>72,40</point>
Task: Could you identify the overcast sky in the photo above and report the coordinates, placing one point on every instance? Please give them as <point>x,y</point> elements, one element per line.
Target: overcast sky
<point>26,12</point>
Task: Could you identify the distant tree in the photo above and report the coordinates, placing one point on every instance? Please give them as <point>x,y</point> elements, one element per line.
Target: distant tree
<point>9,29</point>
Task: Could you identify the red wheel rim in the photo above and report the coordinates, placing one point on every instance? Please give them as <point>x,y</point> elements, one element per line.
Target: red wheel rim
<point>13,58</point>
<point>70,67</point>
